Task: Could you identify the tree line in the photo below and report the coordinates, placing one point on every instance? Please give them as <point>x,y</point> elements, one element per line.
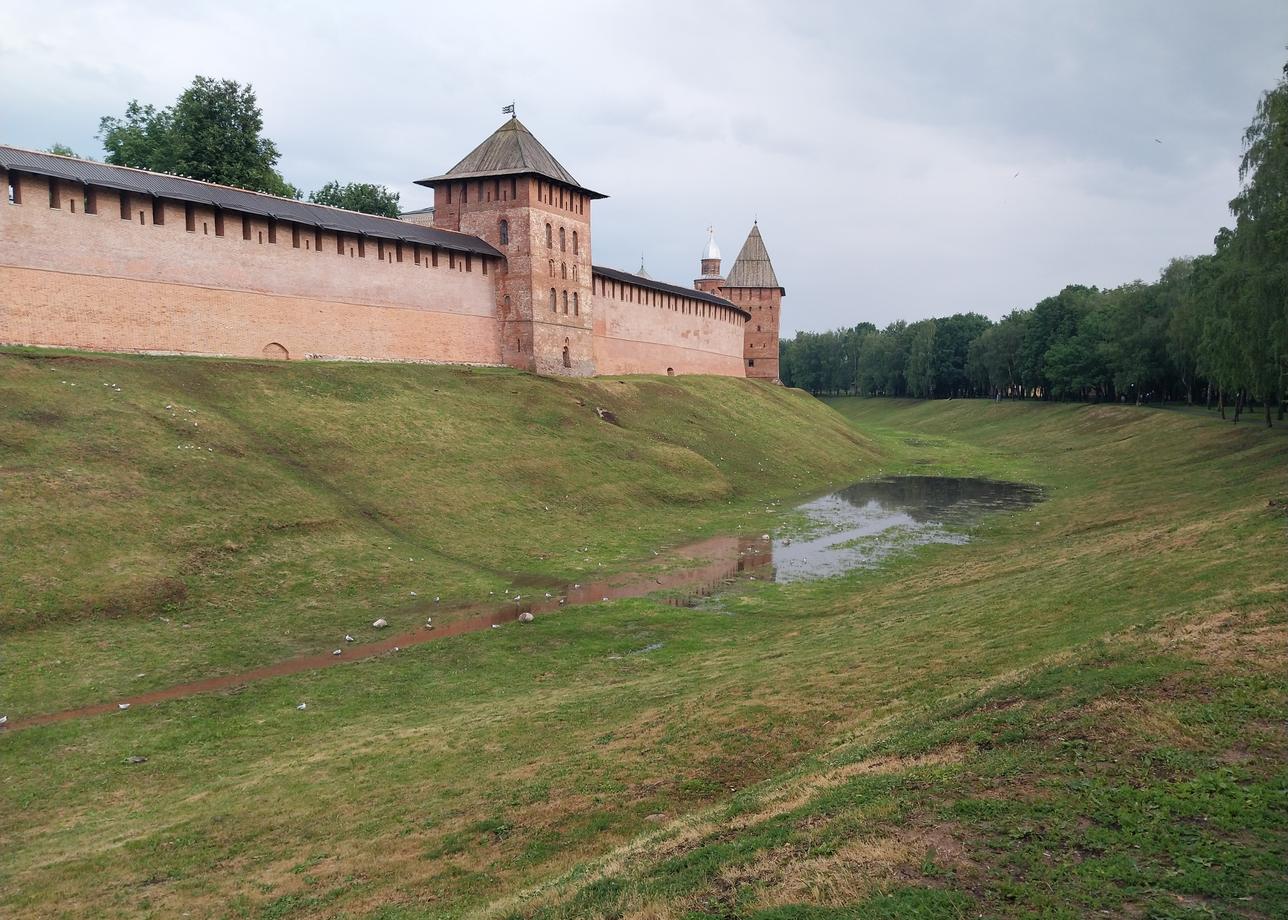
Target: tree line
<point>1211,328</point>
<point>214,132</point>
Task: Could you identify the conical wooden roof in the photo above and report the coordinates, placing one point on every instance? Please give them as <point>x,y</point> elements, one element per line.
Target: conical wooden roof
<point>511,150</point>
<point>752,268</point>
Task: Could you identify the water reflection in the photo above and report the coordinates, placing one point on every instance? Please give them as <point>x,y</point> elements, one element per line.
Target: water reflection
<point>854,528</point>
<point>863,524</point>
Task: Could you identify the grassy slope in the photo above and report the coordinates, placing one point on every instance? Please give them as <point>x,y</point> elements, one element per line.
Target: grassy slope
<point>178,518</point>
<point>1079,711</point>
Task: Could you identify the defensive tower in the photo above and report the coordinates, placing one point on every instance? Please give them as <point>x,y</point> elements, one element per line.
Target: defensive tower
<point>711,281</point>
<point>513,193</point>
<point>753,286</point>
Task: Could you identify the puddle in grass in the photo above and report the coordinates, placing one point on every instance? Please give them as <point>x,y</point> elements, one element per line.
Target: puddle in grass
<point>859,526</point>
<point>856,527</point>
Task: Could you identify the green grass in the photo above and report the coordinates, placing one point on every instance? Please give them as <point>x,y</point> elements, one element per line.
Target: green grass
<point>1079,711</point>
<point>271,508</point>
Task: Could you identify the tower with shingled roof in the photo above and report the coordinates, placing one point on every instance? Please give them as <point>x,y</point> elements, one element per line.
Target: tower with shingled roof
<point>753,286</point>
<point>514,194</point>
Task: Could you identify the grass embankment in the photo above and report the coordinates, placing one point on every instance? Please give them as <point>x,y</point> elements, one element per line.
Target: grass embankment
<point>1081,711</point>
<point>180,518</point>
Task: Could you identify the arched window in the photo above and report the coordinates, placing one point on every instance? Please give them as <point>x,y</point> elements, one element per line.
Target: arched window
<point>553,305</point>
<point>563,241</point>
<point>552,268</point>
<point>550,240</point>
<point>576,307</point>
<point>565,300</point>
<point>567,358</point>
<point>575,250</point>
<point>563,269</point>
<point>505,232</point>
<point>505,306</point>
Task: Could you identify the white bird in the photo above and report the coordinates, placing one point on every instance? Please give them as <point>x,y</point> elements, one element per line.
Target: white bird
<point>336,652</point>
<point>302,706</point>
<point>380,623</point>
<point>547,594</point>
<point>413,593</point>
<point>122,706</point>
<point>605,598</point>
<point>428,620</point>
<point>576,586</point>
<point>517,596</point>
<point>348,638</point>
<point>4,720</point>
<point>435,598</point>
<point>496,625</point>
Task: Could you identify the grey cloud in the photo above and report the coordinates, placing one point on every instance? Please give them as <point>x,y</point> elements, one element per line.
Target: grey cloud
<point>876,142</point>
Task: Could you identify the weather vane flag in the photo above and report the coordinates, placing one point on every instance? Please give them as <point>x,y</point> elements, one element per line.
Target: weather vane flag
<point>507,109</point>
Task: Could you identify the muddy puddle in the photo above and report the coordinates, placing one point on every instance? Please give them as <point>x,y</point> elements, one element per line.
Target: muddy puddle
<point>856,527</point>
<point>862,525</point>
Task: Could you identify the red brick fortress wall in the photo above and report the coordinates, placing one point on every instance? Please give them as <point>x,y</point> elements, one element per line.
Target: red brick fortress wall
<point>640,330</point>
<point>159,276</point>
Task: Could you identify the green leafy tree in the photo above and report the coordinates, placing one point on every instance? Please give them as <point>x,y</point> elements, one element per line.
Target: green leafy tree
<point>213,132</point>
<point>953,337</point>
<point>1260,243</point>
<point>64,151</point>
<point>358,196</point>
<point>921,359</point>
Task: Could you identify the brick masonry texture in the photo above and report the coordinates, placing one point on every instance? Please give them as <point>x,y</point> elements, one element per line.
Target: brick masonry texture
<point>89,268</point>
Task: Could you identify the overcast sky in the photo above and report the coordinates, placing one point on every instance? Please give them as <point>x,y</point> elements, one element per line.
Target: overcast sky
<point>904,159</point>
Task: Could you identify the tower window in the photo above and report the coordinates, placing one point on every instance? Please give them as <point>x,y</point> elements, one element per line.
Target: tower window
<point>469,262</point>
<point>465,193</point>
<point>317,239</point>
<point>504,232</point>
<point>563,270</point>
<point>575,248</point>
<point>15,189</point>
<point>219,222</point>
<point>246,228</point>
<point>563,240</point>
<point>565,302</point>
<point>125,205</point>
<point>55,199</point>
<point>91,200</point>
<point>514,188</point>
<point>189,217</point>
<point>272,230</point>
<point>550,241</point>
<point>295,236</point>
<point>553,307</point>
<point>158,212</point>
<point>576,307</point>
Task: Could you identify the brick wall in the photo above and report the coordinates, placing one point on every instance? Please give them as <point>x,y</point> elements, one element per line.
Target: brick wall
<point>134,277</point>
<point>128,273</point>
<point>643,331</point>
